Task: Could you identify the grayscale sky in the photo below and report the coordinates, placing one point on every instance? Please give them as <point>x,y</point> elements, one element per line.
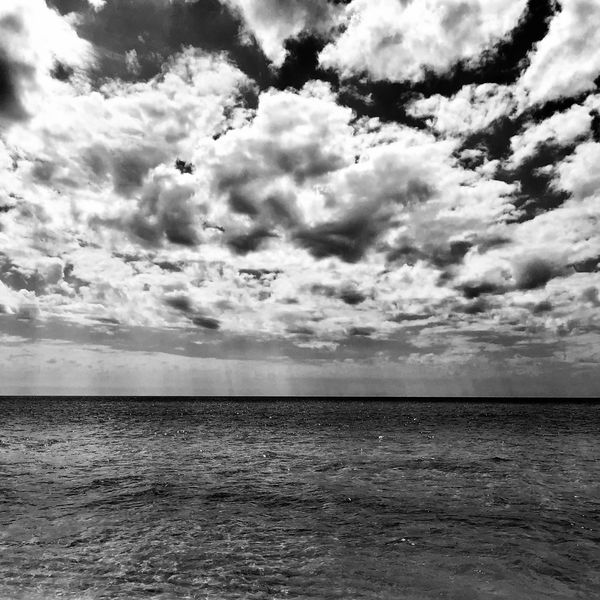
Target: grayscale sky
<point>314,197</point>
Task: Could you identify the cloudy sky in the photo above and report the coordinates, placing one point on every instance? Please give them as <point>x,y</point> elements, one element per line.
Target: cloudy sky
<point>300,196</point>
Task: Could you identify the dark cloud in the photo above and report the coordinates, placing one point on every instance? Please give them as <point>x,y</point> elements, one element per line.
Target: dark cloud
<point>33,280</point>
<point>534,273</point>
<point>179,226</point>
<point>321,289</point>
<point>183,303</point>
<point>474,290</point>
<point>241,202</point>
<point>350,236</point>
<point>107,320</point>
<point>351,296</point>
<point>589,265</point>
<point>475,307</point>
<point>11,106</point>
<point>249,168</point>
<point>62,72</point>
<point>347,294</point>
<point>129,167</point>
<point>406,254</point>
<point>145,228</point>
<point>18,279</point>
<point>453,254</point>
<point>165,212</point>
<point>487,243</point>
<point>439,255</point>
<point>172,267</point>
<point>541,307</point>
<point>348,239</point>
<point>590,294</point>
<point>249,242</point>
<point>361,331</point>
<point>301,330</point>
<point>180,302</point>
<point>206,322</point>
<point>403,317</point>
<point>184,167</point>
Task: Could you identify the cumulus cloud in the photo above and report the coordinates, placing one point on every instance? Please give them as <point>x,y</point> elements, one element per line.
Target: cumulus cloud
<point>577,173</point>
<point>33,41</point>
<point>567,60</point>
<point>472,108</point>
<point>173,191</point>
<point>272,22</point>
<point>560,129</point>
<point>397,40</point>
<point>265,171</point>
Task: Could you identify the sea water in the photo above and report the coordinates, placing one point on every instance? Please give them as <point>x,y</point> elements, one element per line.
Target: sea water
<point>128,499</point>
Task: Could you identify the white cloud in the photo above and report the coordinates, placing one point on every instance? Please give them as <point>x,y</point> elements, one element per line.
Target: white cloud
<point>561,128</point>
<point>398,40</point>
<point>473,107</point>
<point>33,38</point>
<point>97,4</point>
<point>567,61</point>
<point>274,21</point>
<point>579,173</point>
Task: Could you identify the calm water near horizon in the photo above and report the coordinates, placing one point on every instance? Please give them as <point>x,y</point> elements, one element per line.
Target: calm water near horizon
<point>218,500</point>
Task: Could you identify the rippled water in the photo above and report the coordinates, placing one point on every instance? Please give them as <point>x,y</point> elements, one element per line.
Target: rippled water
<point>222,500</point>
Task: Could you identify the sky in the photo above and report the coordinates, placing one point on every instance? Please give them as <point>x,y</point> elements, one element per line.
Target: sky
<point>300,197</point>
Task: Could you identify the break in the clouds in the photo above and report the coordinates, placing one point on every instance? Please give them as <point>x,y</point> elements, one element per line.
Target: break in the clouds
<point>390,181</point>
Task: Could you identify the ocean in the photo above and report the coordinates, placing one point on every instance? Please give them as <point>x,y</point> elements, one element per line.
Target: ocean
<point>219,500</point>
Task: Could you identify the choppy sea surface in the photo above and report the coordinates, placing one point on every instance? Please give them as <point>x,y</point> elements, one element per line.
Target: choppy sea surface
<point>120,499</point>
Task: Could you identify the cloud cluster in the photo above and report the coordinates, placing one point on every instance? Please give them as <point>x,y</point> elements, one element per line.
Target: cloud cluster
<point>174,187</point>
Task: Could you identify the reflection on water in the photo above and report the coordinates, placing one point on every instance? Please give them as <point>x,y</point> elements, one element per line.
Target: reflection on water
<point>222,500</point>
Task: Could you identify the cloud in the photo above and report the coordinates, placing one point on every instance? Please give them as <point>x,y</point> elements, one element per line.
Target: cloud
<point>274,21</point>
<point>265,170</point>
<point>310,208</point>
<point>533,273</point>
<point>577,173</point>
<point>472,108</point>
<point>567,60</point>
<point>561,129</point>
<point>134,38</point>
<point>402,40</point>
<point>33,40</point>
<point>165,209</point>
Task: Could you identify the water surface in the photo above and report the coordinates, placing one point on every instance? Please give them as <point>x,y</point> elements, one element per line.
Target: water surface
<point>103,499</point>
